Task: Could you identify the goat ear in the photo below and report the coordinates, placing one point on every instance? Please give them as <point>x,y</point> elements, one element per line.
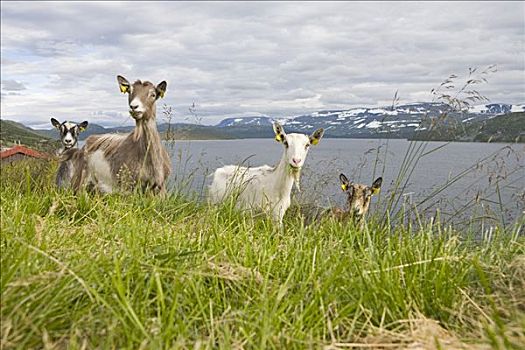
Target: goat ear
<point>161,89</point>
<point>376,186</point>
<point>316,136</point>
<point>55,123</point>
<point>123,84</point>
<point>82,126</point>
<point>279,132</point>
<point>344,182</point>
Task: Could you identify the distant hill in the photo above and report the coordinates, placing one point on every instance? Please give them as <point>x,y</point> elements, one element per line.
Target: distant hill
<point>245,121</point>
<point>12,132</point>
<point>400,121</point>
<point>508,127</point>
<point>413,121</point>
<point>505,128</point>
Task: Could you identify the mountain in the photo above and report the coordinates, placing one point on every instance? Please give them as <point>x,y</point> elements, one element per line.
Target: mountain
<point>92,129</point>
<point>508,127</point>
<point>396,122</point>
<point>177,131</point>
<point>12,132</point>
<point>505,128</point>
<point>421,121</point>
<point>245,121</point>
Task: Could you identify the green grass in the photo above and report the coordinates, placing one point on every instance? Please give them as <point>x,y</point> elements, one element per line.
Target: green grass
<point>136,271</point>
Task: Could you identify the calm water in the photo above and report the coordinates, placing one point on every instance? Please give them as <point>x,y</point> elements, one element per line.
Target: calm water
<point>499,171</point>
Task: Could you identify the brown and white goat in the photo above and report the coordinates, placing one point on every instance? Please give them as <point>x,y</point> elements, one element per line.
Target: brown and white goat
<point>358,200</point>
<point>69,132</point>
<point>137,159</point>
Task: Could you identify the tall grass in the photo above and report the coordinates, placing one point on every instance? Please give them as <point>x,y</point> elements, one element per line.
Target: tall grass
<point>486,206</point>
<point>134,271</point>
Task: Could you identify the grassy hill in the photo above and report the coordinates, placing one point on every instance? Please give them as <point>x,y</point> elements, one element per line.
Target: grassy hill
<point>12,132</point>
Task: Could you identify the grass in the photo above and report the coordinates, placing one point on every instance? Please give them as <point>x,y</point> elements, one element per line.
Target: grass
<point>140,272</point>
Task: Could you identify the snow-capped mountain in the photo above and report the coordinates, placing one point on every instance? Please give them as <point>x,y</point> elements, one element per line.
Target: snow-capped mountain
<point>401,120</point>
<point>246,121</point>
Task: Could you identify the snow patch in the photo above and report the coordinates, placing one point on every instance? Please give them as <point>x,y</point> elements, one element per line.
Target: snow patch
<point>373,125</point>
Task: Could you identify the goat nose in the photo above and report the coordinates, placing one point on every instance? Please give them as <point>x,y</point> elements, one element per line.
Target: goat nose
<point>133,107</point>
<point>296,161</point>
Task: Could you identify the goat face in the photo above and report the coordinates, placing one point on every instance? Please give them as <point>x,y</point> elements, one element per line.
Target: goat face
<point>141,96</point>
<point>359,195</point>
<point>296,145</point>
<point>69,131</point>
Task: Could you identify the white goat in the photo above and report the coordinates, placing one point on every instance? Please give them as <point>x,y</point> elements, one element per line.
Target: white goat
<point>266,188</point>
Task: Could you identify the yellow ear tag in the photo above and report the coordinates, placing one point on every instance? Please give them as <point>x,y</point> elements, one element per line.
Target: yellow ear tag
<point>315,142</point>
<point>161,94</point>
<point>344,187</point>
<point>376,190</point>
<point>123,88</point>
<point>278,138</point>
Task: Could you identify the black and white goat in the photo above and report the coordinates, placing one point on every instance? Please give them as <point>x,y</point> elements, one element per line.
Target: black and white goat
<point>69,132</point>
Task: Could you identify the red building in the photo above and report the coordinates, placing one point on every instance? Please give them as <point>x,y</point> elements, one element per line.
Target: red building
<point>20,152</point>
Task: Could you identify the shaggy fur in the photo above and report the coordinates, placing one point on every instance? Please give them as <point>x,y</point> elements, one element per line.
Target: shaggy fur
<point>137,159</point>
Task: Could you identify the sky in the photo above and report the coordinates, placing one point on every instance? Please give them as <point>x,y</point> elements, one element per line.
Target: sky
<point>234,59</point>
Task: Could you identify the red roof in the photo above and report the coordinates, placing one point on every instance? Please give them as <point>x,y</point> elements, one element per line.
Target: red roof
<point>23,150</point>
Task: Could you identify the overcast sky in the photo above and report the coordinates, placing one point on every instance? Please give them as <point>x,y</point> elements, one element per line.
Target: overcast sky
<point>239,59</point>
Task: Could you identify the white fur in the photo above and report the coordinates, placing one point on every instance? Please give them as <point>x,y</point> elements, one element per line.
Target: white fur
<point>100,173</point>
<point>68,139</point>
<point>137,102</point>
<point>69,125</point>
<point>264,188</point>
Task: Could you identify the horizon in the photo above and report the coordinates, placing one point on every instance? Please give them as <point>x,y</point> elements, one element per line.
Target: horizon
<point>161,120</point>
<point>235,60</point>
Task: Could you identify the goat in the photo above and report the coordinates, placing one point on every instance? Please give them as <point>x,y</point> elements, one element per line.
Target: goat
<point>136,159</point>
<point>266,188</point>
<point>358,200</point>
<point>69,132</point>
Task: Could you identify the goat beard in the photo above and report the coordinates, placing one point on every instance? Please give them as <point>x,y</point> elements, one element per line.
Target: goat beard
<point>296,173</point>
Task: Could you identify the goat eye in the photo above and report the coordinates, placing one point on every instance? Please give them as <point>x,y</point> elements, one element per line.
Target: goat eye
<point>285,143</point>
<point>307,146</point>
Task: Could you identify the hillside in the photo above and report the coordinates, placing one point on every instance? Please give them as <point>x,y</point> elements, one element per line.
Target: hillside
<point>400,121</point>
<point>12,132</point>
<point>506,128</point>
<point>409,121</point>
<point>502,128</point>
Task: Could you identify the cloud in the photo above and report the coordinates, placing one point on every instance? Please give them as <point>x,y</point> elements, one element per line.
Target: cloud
<point>243,58</point>
<point>12,85</point>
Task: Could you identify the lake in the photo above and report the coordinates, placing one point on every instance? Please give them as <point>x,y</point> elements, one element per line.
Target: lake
<point>491,182</point>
